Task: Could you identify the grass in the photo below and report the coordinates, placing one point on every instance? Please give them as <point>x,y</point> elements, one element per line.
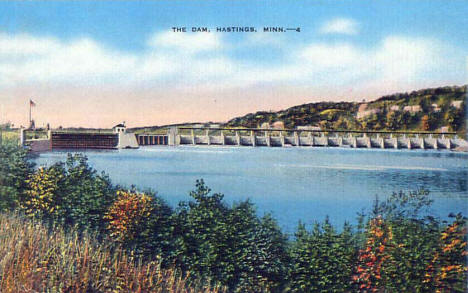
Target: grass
<point>36,258</point>
<point>9,134</point>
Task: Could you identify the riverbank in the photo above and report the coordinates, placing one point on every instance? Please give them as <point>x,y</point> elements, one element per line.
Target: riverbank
<point>229,244</point>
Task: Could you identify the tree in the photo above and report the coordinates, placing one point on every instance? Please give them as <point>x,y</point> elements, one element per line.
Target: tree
<point>392,122</point>
<point>412,248</point>
<point>230,245</point>
<point>321,260</point>
<point>409,259</point>
<point>342,123</point>
<point>262,266</point>
<point>447,270</point>
<point>42,198</point>
<point>86,194</point>
<point>371,260</point>
<point>15,168</point>
<point>455,118</point>
<point>425,126</point>
<point>71,193</point>
<point>128,215</point>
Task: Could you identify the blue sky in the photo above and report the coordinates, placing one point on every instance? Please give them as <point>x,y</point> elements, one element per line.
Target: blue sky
<point>118,60</point>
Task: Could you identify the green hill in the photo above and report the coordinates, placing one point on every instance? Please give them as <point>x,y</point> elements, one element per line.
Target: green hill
<point>427,109</point>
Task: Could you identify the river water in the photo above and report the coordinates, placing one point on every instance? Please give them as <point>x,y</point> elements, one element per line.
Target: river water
<point>293,184</point>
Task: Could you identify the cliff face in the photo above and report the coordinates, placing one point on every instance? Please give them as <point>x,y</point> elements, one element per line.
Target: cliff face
<point>427,109</point>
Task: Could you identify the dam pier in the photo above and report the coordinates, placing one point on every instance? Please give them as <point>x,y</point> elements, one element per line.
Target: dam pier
<point>119,138</point>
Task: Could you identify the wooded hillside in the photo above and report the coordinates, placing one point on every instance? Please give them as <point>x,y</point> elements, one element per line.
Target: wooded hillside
<point>432,109</point>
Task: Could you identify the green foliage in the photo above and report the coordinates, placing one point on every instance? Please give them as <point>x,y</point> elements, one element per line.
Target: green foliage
<point>322,260</point>
<point>71,193</point>
<point>417,246</point>
<point>455,118</point>
<point>200,224</point>
<point>143,223</point>
<point>414,243</point>
<point>43,199</point>
<point>231,245</point>
<point>85,194</point>
<point>15,168</point>
<point>394,249</point>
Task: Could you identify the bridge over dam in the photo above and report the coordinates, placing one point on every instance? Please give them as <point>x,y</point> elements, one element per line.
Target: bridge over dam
<point>253,137</point>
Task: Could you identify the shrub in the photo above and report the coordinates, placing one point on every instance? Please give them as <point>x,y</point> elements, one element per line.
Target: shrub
<point>447,270</point>
<point>86,195</point>
<point>404,251</point>
<point>230,244</point>
<point>42,198</point>
<point>127,215</point>
<point>143,223</point>
<point>371,259</point>
<point>322,260</point>
<point>71,193</point>
<point>14,170</point>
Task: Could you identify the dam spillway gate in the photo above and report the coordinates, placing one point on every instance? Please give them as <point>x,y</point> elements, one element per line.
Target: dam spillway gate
<point>316,138</point>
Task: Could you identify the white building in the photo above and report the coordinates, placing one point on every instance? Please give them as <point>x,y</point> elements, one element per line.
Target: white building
<point>395,108</point>
<point>456,104</point>
<point>366,113</point>
<point>265,125</point>
<point>444,129</point>
<point>435,108</point>
<point>362,107</point>
<point>308,127</point>
<point>126,140</point>
<point>278,125</point>
<point>120,128</point>
<point>412,109</point>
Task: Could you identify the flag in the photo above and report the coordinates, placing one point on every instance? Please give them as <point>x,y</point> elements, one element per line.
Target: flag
<point>31,103</point>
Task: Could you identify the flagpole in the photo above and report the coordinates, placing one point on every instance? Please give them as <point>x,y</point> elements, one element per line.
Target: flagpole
<point>30,106</point>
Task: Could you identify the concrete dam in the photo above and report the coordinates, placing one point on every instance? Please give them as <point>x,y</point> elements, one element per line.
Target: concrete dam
<point>62,139</point>
<point>175,136</point>
<point>317,138</point>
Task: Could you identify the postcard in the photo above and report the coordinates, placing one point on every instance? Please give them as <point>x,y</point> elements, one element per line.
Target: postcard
<point>233,146</point>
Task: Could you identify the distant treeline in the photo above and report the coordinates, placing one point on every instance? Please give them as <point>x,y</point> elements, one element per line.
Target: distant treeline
<point>395,247</point>
<point>436,108</point>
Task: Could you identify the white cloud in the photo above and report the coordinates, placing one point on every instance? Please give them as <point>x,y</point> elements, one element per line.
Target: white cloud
<point>154,65</point>
<point>49,60</point>
<point>186,42</point>
<point>25,59</point>
<point>262,39</point>
<point>394,59</point>
<point>22,45</point>
<point>206,67</point>
<point>323,55</point>
<point>345,26</point>
<point>403,58</point>
<point>205,61</point>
